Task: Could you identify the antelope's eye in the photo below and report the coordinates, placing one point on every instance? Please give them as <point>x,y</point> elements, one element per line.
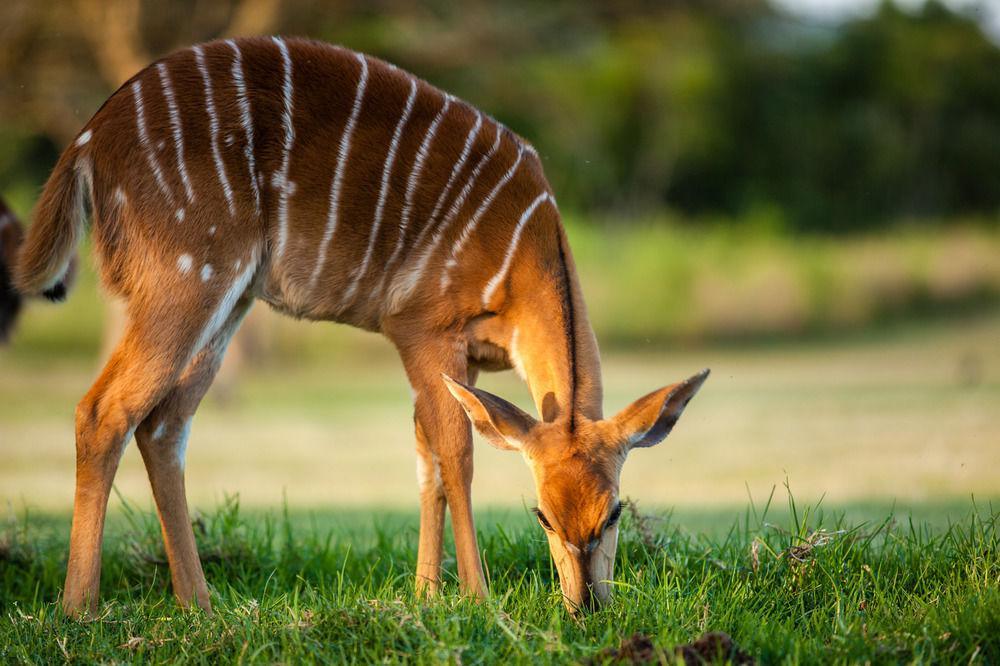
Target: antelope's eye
<point>616,513</point>
<point>542,520</point>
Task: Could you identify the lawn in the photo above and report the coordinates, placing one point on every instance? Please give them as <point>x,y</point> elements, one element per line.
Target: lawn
<point>884,437</point>
<point>788,584</point>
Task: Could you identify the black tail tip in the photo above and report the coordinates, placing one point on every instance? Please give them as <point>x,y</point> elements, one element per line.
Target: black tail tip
<point>56,293</point>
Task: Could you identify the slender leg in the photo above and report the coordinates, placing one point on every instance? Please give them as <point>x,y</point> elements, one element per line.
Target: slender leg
<point>141,370</point>
<point>432,509</point>
<point>448,436</point>
<point>162,439</point>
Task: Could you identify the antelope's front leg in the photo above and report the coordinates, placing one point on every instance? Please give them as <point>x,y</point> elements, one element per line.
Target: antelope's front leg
<point>444,441</point>
<point>432,506</point>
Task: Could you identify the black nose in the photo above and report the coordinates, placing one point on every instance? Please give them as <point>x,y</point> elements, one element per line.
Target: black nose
<point>588,600</point>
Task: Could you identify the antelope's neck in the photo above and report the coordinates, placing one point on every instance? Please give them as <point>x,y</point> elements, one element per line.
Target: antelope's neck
<point>552,343</point>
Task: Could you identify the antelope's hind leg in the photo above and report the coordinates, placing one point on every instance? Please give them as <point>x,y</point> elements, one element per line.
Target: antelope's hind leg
<point>162,440</point>
<point>169,321</point>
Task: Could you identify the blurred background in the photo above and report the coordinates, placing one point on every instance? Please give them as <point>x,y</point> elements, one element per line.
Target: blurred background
<point>803,195</point>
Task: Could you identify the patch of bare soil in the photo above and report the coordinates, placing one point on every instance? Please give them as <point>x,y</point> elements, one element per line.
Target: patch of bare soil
<point>712,648</point>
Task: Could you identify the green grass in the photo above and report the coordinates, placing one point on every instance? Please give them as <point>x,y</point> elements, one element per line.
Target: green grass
<point>796,585</point>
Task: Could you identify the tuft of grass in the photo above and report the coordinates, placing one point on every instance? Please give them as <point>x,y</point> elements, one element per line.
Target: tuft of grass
<point>801,584</point>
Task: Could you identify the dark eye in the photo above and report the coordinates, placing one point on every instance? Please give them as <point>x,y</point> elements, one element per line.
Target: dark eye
<point>616,513</point>
<point>542,520</point>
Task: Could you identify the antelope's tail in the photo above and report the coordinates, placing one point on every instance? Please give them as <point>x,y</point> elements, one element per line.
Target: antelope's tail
<point>46,262</point>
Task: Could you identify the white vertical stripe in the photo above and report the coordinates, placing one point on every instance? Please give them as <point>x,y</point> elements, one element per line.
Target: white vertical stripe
<point>411,186</point>
<point>247,121</point>
<point>390,160</point>
<point>213,123</point>
<point>175,126</point>
<point>473,133</point>
<point>343,152</point>
<point>226,305</point>
<point>501,274</point>
<point>282,175</point>
<point>402,287</point>
<point>466,234</point>
<point>140,123</point>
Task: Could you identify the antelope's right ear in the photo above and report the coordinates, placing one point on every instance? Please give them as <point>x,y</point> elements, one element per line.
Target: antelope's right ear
<point>504,425</point>
<point>648,420</point>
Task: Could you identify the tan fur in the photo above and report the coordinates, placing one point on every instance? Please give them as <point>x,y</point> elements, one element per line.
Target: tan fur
<point>191,262</point>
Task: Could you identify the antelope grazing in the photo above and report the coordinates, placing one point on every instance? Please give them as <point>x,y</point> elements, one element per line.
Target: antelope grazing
<point>334,186</point>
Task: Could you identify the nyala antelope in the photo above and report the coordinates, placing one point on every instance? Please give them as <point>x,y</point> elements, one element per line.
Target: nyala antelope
<point>334,186</point>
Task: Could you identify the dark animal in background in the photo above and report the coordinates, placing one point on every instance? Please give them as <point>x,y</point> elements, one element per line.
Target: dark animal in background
<point>11,234</point>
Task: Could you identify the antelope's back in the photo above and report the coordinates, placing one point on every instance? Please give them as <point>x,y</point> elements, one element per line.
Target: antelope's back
<point>349,176</point>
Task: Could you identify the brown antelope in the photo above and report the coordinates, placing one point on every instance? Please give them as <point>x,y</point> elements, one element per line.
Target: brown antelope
<point>10,239</point>
<point>334,186</point>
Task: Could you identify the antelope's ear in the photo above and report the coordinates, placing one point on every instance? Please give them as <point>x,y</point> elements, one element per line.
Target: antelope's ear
<point>501,423</point>
<point>651,418</point>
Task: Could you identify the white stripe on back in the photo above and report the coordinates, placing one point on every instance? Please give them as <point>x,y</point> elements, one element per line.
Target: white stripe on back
<point>343,152</point>
<point>140,123</point>
<point>175,126</point>
<point>390,160</point>
<point>246,119</point>
<point>401,288</point>
<point>473,133</point>
<point>466,234</point>
<point>282,174</point>
<point>411,186</point>
<point>213,123</point>
<point>501,274</point>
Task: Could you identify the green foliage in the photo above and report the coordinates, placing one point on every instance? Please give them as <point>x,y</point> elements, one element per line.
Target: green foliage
<point>799,585</point>
<point>710,108</point>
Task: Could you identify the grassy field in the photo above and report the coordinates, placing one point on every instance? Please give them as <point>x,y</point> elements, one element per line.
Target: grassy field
<point>795,585</point>
<point>908,414</point>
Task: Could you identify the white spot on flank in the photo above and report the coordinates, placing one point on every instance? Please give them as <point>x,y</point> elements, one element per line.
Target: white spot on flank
<point>140,123</point>
<point>246,119</point>
<point>175,127</point>
<point>501,274</point>
<point>466,234</point>
<point>343,153</point>
<point>180,214</point>
<point>286,117</point>
<point>206,272</point>
<point>226,305</point>
<point>390,160</point>
<point>213,124</point>
<point>229,139</point>
<point>119,197</point>
<point>84,138</point>
<point>184,263</point>
<point>211,231</point>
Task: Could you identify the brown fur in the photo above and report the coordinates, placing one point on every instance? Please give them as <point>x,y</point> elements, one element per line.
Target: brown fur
<point>189,270</point>
<point>11,236</point>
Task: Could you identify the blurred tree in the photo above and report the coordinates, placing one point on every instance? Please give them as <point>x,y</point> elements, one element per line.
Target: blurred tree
<point>719,107</point>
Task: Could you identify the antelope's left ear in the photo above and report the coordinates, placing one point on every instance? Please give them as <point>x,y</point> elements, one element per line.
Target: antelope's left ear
<point>651,418</point>
<point>503,425</point>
